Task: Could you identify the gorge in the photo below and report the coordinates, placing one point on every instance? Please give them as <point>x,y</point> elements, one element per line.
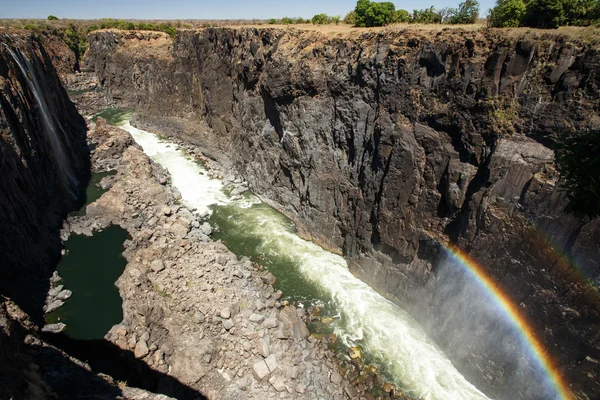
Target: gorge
<point>424,159</point>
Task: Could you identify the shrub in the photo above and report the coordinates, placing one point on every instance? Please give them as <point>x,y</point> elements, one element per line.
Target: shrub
<point>467,13</point>
<point>52,18</point>
<point>350,18</point>
<point>578,163</point>
<point>370,13</point>
<point>506,13</point>
<point>335,19</point>
<point>287,21</point>
<point>300,20</point>
<point>426,16</point>
<point>272,21</point>
<point>320,19</point>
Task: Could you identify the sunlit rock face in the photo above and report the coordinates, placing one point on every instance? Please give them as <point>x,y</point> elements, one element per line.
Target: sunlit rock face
<point>43,159</point>
<point>385,146</point>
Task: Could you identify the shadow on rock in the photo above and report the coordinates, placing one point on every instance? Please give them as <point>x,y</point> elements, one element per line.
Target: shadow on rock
<point>105,357</point>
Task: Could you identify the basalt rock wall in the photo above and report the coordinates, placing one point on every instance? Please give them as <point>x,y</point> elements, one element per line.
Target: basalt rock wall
<point>43,160</point>
<point>386,146</point>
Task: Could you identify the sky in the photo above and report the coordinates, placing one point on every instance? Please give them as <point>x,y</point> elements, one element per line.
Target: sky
<point>197,9</point>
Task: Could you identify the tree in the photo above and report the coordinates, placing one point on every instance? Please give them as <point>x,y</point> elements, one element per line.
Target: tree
<point>426,16</point>
<point>507,13</point>
<point>467,13</point>
<point>446,13</point>
<point>52,18</point>
<point>578,163</point>
<point>350,18</point>
<point>402,16</point>
<point>544,14</point>
<point>272,21</point>
<point>370,13</point>
<point>320,19</point>
<point>287,21</point>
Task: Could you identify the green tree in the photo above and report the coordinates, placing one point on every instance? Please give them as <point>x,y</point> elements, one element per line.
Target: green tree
<point>506,13</point>
<point>467,13</point>
<point>544,14</point>
<point>272,21</point>
<point>320,19</point>
<point>370,13</point>
<point>402,16</point>
<point>350,18</point>
<point>52,18</point>
<point>287,21</point>
<point>578,161</point>
<point>426,16</point>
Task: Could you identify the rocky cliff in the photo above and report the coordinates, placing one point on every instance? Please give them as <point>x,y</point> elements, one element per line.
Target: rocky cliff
<point>386,147</point>
<point>44,158</point>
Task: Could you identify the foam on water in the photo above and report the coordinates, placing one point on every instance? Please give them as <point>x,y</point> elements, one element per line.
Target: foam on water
<point>198,190</point>
<point>384,330</point>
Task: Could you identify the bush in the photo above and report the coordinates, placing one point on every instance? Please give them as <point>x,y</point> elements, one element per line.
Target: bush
<point>370,13</point>
<point>52,18</point>
<point>272,21</point>
<point>467,13</point>
<point>287,21</point>
<point>578,163</point>
<point>300,20</point>
<point>320,19</point>
<point>507,13</point>
<point>350,18</point>
<point>402,16</point>
<point>426,16</point>
<point>335,19</point>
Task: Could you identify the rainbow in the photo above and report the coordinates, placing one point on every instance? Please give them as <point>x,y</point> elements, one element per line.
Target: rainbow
<point>511,310</point>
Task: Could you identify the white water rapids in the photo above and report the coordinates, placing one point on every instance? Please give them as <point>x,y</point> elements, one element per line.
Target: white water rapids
<point>385,331</point>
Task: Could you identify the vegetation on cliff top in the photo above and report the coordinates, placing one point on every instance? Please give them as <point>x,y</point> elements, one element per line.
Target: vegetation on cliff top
<point>544,13</point>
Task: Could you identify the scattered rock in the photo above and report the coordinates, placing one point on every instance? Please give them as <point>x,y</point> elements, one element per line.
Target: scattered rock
<point>141,349</point>
<point>227,324</point>
<point>157,265</point>
<point>261,371</point>
<point>54,328</point>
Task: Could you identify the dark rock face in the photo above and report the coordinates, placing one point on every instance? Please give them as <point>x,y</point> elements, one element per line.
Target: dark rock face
<point>43,158</point>
<point>385,147</point>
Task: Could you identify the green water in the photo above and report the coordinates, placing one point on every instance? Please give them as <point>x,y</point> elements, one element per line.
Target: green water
<point>114,116</point>
<point>93,190</point>
<point>235,232</point>
<point>239,228</point>
<point>89,269</point>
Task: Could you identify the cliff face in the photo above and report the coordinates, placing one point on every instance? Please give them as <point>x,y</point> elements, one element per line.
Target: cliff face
<point>385,146</point>
<point>43,158</point>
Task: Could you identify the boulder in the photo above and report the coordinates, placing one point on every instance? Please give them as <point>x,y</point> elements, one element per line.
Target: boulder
<point>157,265</point>
<point>141,349</point>
<point>261,371</point>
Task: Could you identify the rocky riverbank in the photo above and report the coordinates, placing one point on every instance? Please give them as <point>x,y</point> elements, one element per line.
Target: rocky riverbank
<point>192,310</point>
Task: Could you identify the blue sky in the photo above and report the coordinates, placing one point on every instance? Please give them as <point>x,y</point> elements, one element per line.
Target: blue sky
<point>196,9</point>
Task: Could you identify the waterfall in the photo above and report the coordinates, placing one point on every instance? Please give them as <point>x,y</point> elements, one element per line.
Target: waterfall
<point>50,127</point>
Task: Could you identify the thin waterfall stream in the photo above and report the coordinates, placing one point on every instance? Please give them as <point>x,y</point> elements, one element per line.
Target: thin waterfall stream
<point>50,128</point>
<point>307,274</point>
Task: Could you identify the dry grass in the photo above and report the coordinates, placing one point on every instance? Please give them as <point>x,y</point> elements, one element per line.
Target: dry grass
<point>584,34</point>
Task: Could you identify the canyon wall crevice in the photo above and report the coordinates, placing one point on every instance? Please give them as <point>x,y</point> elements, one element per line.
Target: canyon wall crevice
<point>384,146</point>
